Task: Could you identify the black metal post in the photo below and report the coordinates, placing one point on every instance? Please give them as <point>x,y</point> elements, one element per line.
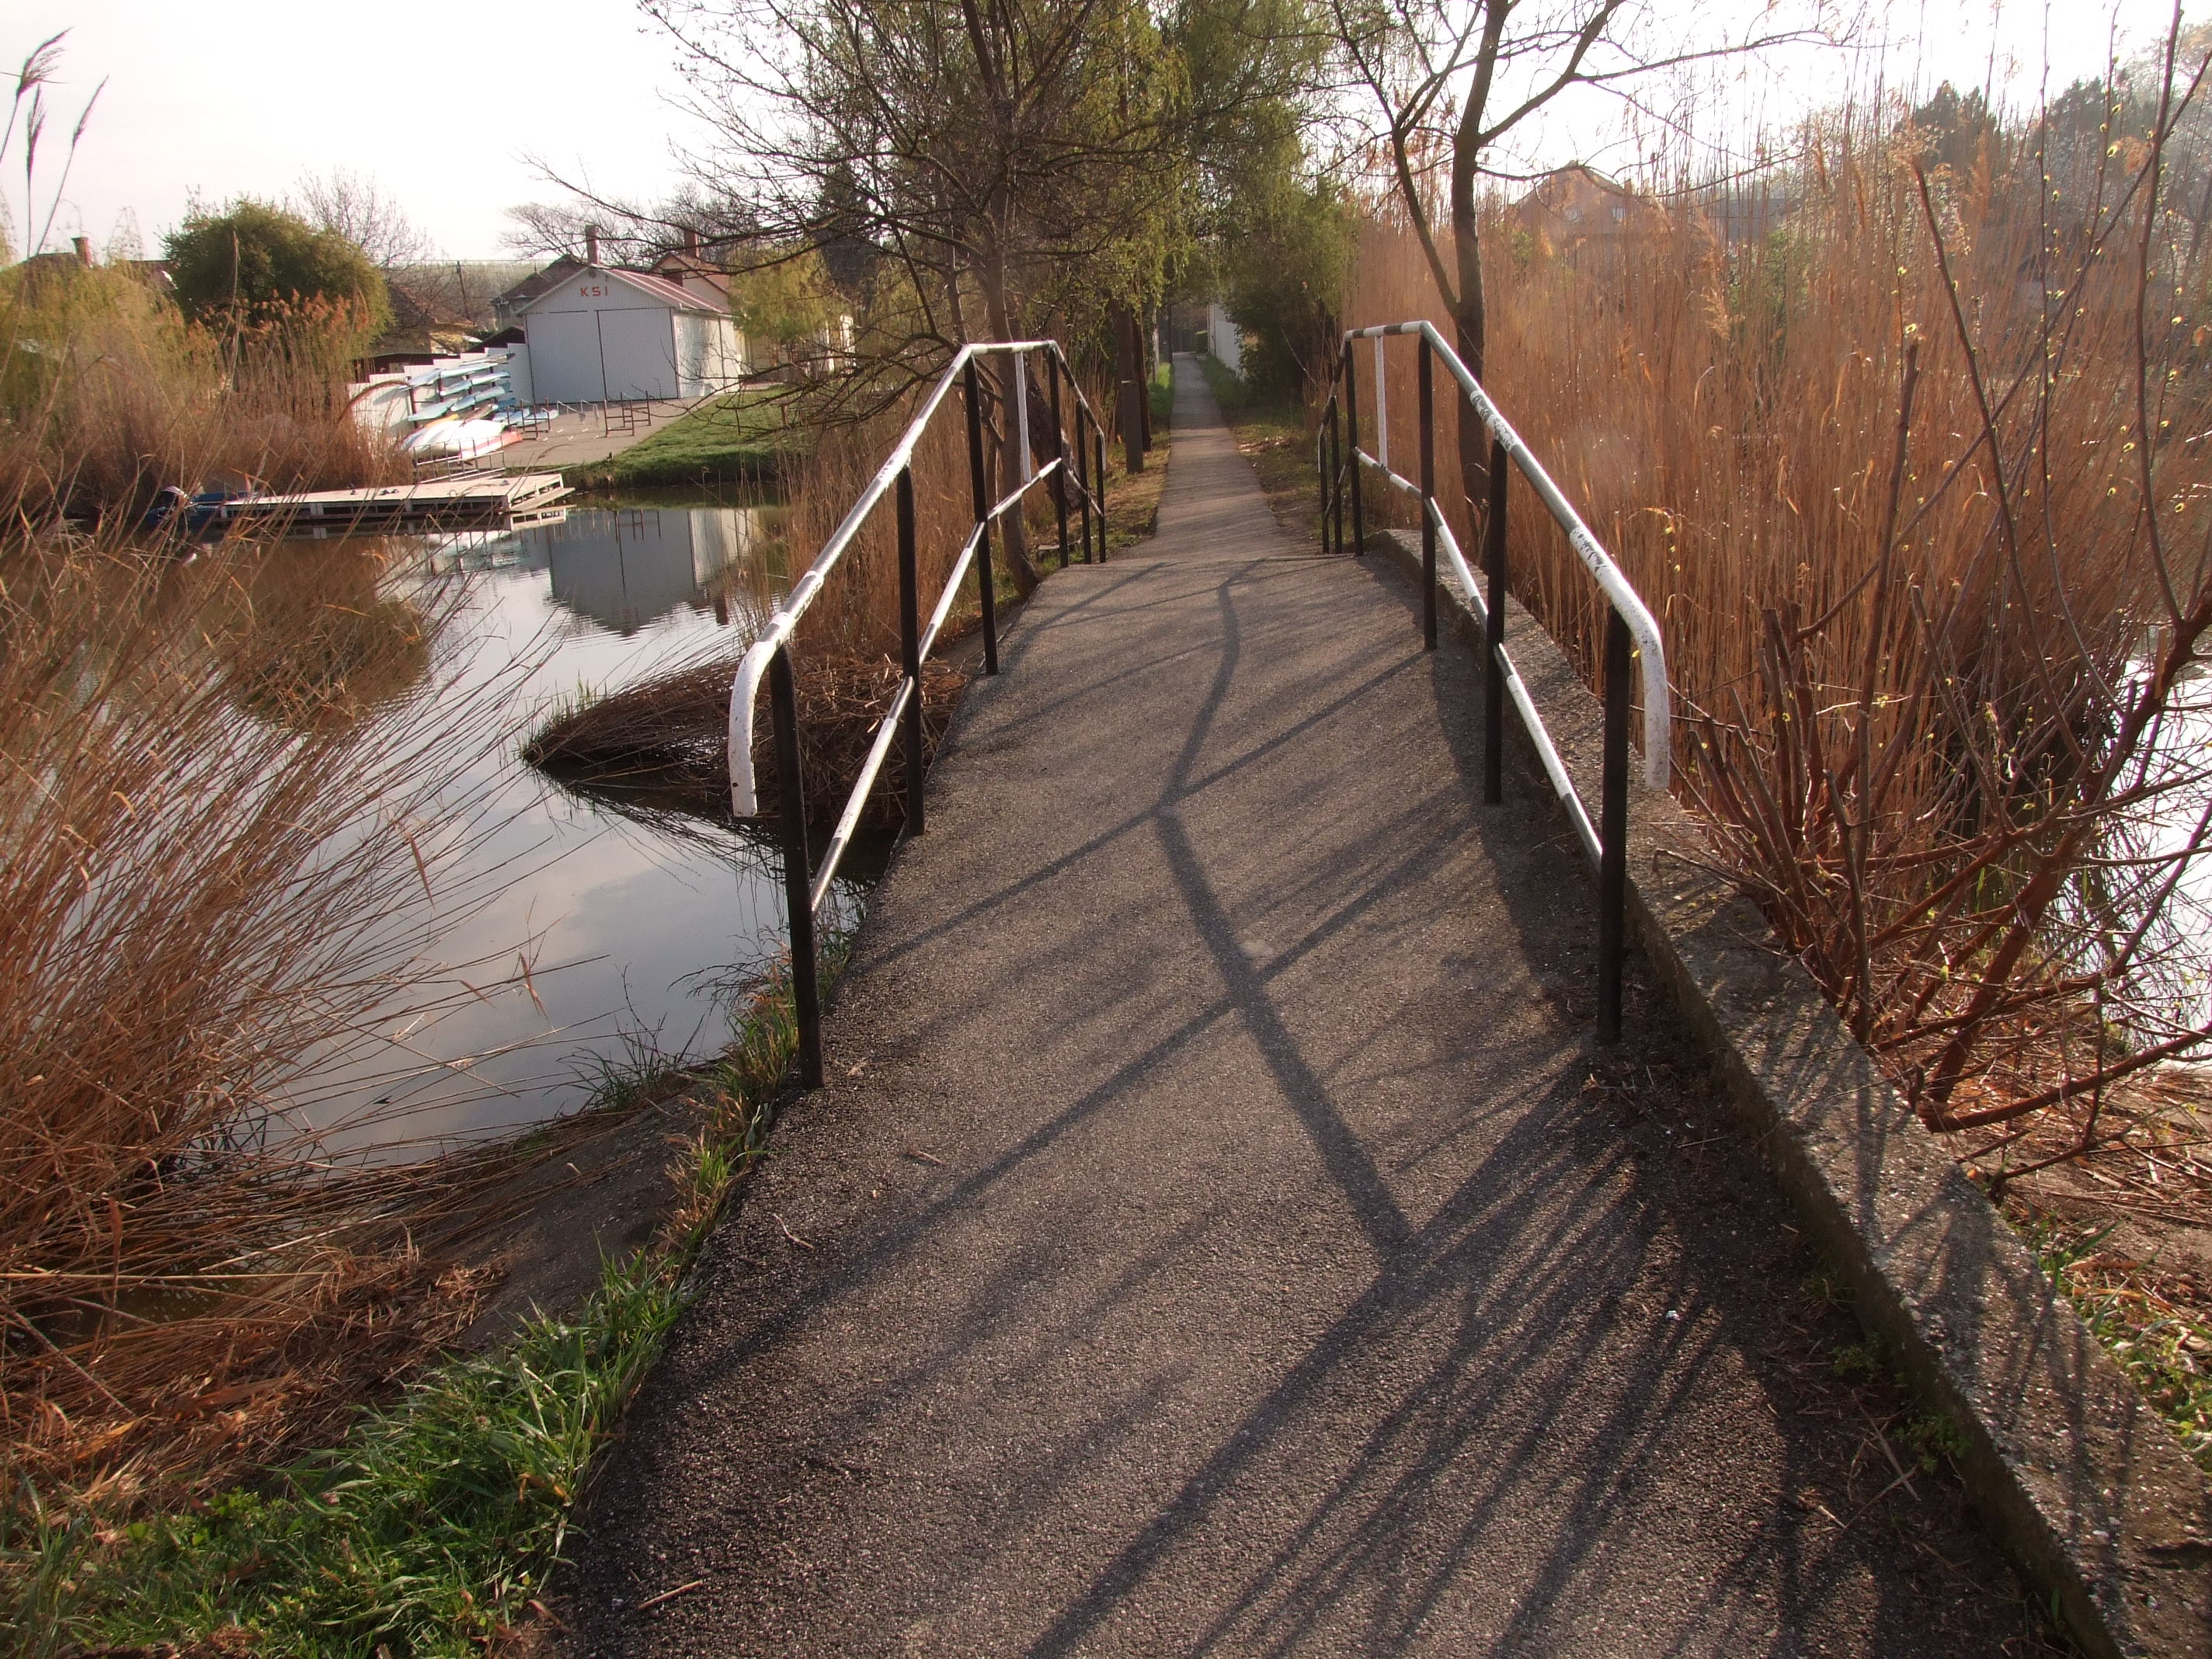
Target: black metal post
<point>1059,443</point>
<point>1351,441</point>
<point>986,586</point>
<point>1612,831</point>
<point>910,647</point>
<point>798,881</point>
<point>1335,537</point>
<point>1099,437</point>
<point>1083,476</point>
<point>1428,500</point>
<point>1493,631</point>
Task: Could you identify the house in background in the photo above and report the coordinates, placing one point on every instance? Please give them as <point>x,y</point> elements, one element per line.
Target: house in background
<point>506,305</point>
<point>695,272</point>
<point>602,334</point>
<point>1578,207</point>
<point>1223,338</point>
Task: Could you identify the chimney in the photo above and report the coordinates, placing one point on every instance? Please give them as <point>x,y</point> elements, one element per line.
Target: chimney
<point>83,245</point>
<point>591,245</point>
<point>691,239</point>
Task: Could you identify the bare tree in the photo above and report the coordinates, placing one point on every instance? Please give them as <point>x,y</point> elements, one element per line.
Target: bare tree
<point>357,207</point>
<point>543,230</point>
<point>978,152</point>
<point>1463,78</point>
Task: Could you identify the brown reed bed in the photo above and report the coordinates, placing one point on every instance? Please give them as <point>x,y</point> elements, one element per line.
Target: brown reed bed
<point>673,730</point>
<point>1910,475</point>
<point>229,791</point>
<point>107,395</point>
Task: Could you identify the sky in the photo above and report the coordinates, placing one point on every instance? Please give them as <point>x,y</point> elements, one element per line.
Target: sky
<point>226,98</point>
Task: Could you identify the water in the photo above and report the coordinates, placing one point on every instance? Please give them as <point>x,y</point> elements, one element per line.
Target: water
<point>625,914</point>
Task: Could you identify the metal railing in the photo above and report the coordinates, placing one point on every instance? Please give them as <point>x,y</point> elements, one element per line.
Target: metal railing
<point>769,656</point>
<point>1630,630</point>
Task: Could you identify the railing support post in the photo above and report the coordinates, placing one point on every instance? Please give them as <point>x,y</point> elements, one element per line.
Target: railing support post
<point>1428,498</point>
<point>987,587</point>
<point>1083,476</point>
<point>911,648</point>
<point>1493,631</point>
<point>1352,443</point>
<point>1336,475</point>
<point>1612,831</point>
<point>798,881</point>
<point>1098,437</point>
<point>1060,445</point>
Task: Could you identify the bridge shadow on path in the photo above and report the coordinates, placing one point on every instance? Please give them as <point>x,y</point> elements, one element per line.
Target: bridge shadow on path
<point>1218,1235</point>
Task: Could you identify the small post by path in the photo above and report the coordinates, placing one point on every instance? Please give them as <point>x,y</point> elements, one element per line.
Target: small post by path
<point>1132,400</point>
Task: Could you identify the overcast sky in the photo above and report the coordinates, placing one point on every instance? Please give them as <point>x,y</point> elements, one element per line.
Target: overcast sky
<point>242,97</point>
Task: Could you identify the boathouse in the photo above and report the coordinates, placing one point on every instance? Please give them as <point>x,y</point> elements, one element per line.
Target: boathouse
<point>600,334</point>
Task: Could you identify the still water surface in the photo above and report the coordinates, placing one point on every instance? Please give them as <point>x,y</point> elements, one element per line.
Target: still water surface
<point>623,917</point>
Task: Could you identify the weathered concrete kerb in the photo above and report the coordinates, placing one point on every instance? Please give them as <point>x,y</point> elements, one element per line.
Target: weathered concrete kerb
<point>2088,1488</point>
<point>1218,1235</point>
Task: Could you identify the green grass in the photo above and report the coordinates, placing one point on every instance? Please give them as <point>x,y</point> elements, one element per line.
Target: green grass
<point>437,1523</point>
<point>741,437</point>
<point>433,1526</point>
<point>2165,1353</point>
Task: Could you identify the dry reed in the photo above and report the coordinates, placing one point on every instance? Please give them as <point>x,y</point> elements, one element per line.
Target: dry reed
<point>1908,461</point>
<point>228,789</point>
<point>108,395</point>
<point>672,730</point>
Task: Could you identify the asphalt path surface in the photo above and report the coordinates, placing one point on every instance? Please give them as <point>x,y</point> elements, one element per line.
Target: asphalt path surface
<point>1219,1233</point>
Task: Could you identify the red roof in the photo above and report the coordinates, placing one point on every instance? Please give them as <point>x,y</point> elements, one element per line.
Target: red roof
<point>670,294</point>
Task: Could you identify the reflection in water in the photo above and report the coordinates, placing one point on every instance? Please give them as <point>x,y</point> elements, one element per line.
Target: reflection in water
<point>317,646</point>
<point>577,921</point>
<point>624,570</point>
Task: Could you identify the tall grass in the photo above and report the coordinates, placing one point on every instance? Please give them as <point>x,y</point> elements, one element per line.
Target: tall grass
<point>228,791</point>
<point>1912,471</point>
<point>107,395</point>
<point>431,1526</point>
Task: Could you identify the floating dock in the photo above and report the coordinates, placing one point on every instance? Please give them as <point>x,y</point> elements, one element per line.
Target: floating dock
<point>480,501</point>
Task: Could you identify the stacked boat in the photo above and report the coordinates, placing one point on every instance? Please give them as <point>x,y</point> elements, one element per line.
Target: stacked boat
<point>459,408</point>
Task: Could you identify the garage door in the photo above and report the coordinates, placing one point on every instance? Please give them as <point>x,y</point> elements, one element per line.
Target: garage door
<point>638,349</point>
<point>564,357</point>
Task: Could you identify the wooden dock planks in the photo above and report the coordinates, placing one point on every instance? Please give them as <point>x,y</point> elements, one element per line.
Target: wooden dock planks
<point>462,503</point>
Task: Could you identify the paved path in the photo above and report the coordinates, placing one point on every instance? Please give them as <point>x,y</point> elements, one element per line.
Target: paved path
<point>1218,1235</point>
<point>581,437</point>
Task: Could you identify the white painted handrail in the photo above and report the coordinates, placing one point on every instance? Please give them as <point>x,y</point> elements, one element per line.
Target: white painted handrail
<point>1643,627</point>
<point>744,690</point>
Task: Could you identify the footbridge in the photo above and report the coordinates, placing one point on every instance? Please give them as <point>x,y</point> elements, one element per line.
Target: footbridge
<point>1222,1221</point>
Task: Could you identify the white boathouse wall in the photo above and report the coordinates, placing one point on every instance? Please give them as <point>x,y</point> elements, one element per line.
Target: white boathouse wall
<point>603,335</point>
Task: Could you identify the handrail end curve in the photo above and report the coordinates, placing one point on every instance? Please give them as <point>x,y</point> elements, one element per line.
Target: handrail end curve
<point>744,692</point>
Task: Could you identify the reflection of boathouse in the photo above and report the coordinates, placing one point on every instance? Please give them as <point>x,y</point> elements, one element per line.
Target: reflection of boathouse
<point>625,569</point>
